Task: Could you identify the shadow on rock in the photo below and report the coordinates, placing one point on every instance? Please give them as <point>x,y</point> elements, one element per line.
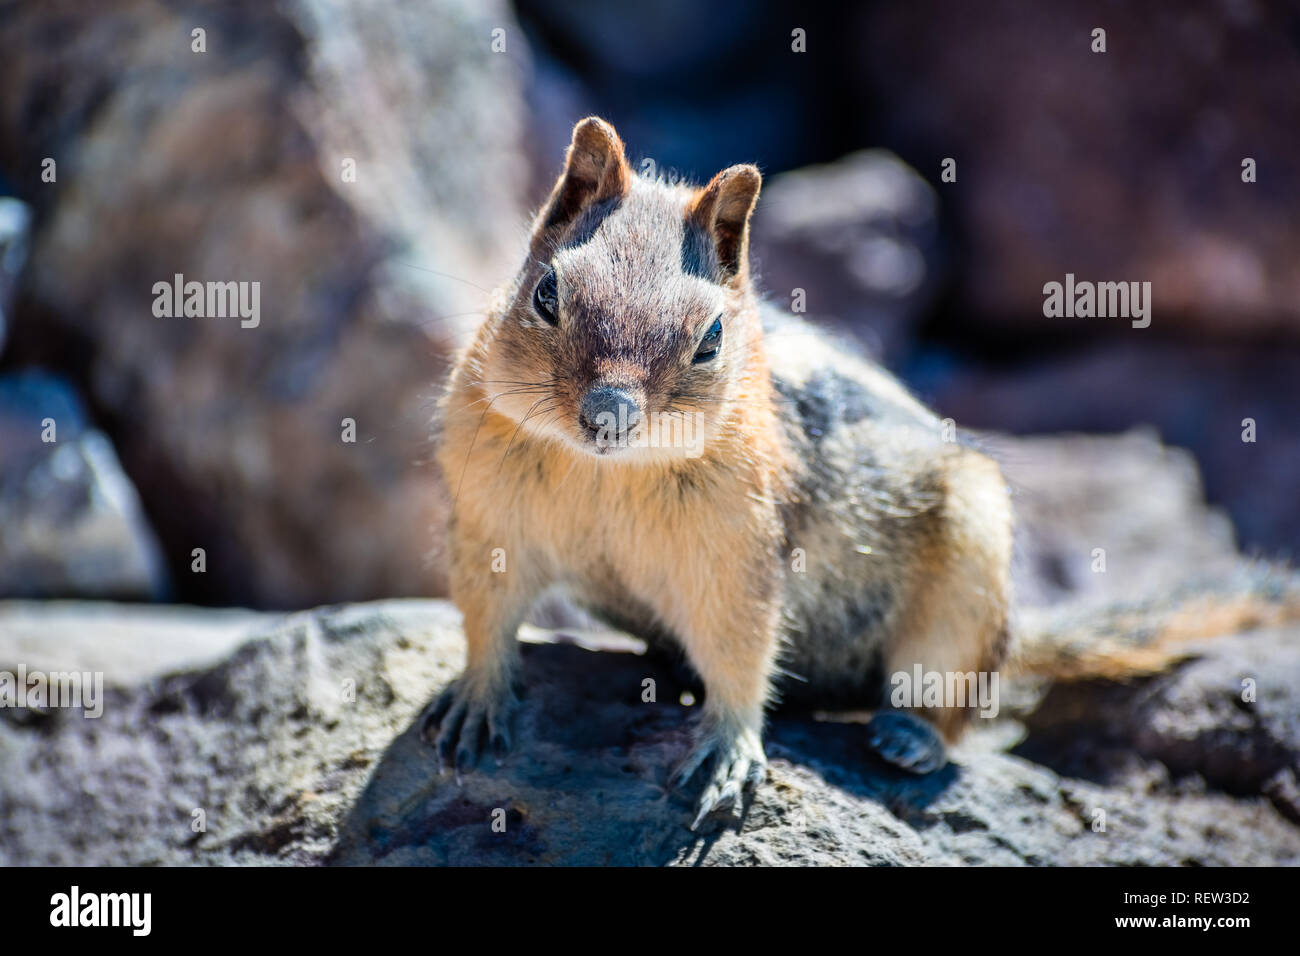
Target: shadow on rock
<point>585,783</point>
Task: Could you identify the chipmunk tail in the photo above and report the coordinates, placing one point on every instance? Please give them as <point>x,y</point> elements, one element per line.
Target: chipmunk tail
<point>1142,638</point>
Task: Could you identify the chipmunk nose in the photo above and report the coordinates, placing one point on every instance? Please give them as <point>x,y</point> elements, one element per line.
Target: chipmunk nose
<point>610,413</point>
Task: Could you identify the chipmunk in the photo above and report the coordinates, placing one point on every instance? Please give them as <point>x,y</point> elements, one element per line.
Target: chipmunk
<point>807,530</point>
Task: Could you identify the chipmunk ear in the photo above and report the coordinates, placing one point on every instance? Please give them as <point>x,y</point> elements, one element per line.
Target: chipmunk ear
<point>721,211</point>
<point>594,170</point>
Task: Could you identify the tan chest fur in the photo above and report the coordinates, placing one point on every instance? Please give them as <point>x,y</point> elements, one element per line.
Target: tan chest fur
<point>671,537</point>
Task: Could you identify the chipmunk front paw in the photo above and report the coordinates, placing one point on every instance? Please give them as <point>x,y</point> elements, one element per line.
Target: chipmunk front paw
<point>908,742</point>
<point>466,720</point>
<point>734,761</point>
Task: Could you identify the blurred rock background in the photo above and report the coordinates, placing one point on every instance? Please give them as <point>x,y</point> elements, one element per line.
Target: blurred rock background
<point>230,164</point>
<point>127,441</point>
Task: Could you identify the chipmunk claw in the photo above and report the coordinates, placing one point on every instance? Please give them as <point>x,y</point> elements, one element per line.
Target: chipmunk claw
<point>462,719</point>
<point>906,741</point>
<point>736,763</point>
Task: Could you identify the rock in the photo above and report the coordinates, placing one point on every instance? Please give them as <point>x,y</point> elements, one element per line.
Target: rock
<point>1228,721</point>
<point>286,767</point>
<point>694,88</point>
<point>303,745</point>
<point>130,644</point>
<point>71,524</point>
<point>1206,397</point>
<point>1105,519</point>
<point>234,164</point>
<point>1117,166</point>
<point>860,237</point>
<point>15,233</point>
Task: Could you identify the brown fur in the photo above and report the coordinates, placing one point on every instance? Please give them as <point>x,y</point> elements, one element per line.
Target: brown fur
<point>906,536</point>
<point>1124,642</point>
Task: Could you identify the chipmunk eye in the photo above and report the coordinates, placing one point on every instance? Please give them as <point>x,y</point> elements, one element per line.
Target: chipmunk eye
<point>710,344</point>
<point>545,298</point>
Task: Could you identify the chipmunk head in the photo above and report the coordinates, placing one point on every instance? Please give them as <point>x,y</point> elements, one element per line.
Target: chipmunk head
<point>632,328</point>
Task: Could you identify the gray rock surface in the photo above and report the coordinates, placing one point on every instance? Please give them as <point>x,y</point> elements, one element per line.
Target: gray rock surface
<point>287,769</point>
<point>298,737</point>
<point>71,523</point>
<point>1136,500</point>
